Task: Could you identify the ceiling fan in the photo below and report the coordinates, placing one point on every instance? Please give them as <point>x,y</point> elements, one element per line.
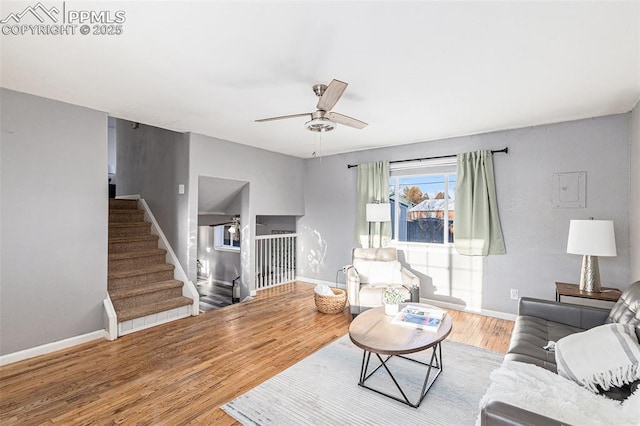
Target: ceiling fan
<point>235,225</point>
<point>323,119</point>
<point>233,222</point>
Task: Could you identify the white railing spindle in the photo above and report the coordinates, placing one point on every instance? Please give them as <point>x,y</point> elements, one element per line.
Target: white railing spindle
<point>275,259</point>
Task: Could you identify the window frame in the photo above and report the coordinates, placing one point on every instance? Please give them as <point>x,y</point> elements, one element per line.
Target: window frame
<point>445,169</point>
<point>219,240</point>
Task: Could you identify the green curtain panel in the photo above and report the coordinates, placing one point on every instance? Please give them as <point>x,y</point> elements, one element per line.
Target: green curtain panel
<point>373,185</point>
<point>477,223</point>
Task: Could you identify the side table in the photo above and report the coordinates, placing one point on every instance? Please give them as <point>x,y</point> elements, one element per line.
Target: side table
<point>570,293</point>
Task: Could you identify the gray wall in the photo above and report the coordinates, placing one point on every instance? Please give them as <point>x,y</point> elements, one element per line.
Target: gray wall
<point>275,188</point>
<point>152,162</point>
<point>53,223</point>
<point>224,265</point>
<point>634,205</point>
<point>267,224</point>
<point>535,233</point>
<point>111,145</point>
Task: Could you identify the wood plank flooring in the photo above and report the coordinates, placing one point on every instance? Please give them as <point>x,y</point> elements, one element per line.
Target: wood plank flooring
<point>213,295</point>
<point>181,372</point>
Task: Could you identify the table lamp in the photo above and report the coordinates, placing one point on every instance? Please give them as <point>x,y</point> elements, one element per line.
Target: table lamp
<point>591,238</point>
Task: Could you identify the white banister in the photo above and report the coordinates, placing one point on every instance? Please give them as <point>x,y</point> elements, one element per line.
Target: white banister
<point>110,319</point>
<point>188,289</point>
<point>275,259</point>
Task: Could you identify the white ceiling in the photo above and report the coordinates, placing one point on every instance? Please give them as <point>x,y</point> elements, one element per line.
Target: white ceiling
<point>417,71</point>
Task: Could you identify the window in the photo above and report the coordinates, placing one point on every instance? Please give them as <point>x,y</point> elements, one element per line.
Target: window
<point>223,239</point>
<point>423,206</point>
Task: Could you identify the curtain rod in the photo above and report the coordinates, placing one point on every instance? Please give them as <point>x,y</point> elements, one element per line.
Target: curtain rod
<point>505,150</point>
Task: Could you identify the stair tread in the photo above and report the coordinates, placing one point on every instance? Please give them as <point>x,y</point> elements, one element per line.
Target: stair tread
<point>139,289</point>
<point>128,224</point>
<point>125,211</point>
<point>147,269</point>
<point>125,314</point>
<point>134,254</point>
<point>132,238</point>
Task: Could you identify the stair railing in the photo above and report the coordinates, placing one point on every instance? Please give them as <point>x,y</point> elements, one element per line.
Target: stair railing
<point>275,259</point>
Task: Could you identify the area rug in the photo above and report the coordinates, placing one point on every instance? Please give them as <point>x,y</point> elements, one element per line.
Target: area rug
<point>322,389</point>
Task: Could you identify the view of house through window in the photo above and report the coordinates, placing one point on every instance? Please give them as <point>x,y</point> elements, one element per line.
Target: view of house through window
<point>423,207</point>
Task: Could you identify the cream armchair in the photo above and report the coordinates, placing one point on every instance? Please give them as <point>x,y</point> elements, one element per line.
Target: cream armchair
<point>373,270</point>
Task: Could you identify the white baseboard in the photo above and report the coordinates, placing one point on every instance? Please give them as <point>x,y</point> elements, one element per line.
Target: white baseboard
<point>51,347</point>
<point>485,312</point>
<point>463,308</point>
<point>328,283</point>
<point>214,280</point>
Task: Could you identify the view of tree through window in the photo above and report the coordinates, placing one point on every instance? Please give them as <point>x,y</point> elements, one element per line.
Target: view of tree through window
<point>425,208</point>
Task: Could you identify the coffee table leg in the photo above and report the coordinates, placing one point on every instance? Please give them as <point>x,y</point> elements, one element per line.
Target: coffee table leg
<point>364,367</point>
<point>437,350</point>
<point>434,363</point>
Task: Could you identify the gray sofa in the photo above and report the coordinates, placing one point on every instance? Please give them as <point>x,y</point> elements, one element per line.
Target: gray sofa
<point>541,321</point>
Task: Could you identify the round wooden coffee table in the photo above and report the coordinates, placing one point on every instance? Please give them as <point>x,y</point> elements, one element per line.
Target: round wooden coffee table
<point>373,332</point>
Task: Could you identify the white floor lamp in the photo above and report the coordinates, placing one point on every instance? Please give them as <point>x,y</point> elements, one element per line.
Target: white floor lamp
<point>377,212</point>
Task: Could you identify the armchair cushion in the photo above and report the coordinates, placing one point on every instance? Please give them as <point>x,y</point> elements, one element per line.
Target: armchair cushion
<point>378,272</point>
<point>371,271</point>
<point>371,295</point>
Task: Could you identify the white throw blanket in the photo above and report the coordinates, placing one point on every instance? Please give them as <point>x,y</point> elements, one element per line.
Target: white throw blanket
<point>323,290</point>
<point>541,391</point>
<point>603,356</point>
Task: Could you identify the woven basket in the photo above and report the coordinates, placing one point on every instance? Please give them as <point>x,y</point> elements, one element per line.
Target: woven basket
<point>331,304</point>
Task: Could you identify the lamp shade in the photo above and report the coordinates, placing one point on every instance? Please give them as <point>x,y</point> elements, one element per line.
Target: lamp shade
<point>592,238</point>
<point>378,212</point>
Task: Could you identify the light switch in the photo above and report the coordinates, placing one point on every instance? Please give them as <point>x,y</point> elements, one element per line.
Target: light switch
<point>180,189</point>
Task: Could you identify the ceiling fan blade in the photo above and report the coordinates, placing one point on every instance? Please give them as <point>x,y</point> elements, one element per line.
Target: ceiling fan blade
<point>283,117</point>
<point>331,95</point>
<point>347,121</point>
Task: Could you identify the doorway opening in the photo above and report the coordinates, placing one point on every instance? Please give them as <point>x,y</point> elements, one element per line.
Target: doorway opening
<point>219,241</point>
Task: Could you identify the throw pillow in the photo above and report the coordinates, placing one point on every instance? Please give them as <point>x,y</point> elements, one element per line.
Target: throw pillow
<point>604,356</point>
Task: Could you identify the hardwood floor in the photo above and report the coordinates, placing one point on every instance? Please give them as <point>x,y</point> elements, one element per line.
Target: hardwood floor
<point>213,295</point>
<point>183,371</point>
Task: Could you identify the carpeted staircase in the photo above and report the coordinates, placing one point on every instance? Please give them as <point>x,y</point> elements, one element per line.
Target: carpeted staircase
<point>141,282</point>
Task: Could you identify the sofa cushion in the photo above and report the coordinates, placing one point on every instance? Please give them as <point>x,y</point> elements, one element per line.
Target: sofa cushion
<point>530,335</point>
<point>627,308</point>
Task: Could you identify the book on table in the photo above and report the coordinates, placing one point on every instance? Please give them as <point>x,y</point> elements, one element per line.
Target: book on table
<point>420,317</point>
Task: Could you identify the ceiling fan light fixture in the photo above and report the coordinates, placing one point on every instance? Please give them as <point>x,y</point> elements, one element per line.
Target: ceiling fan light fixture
<point>320,124</point>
